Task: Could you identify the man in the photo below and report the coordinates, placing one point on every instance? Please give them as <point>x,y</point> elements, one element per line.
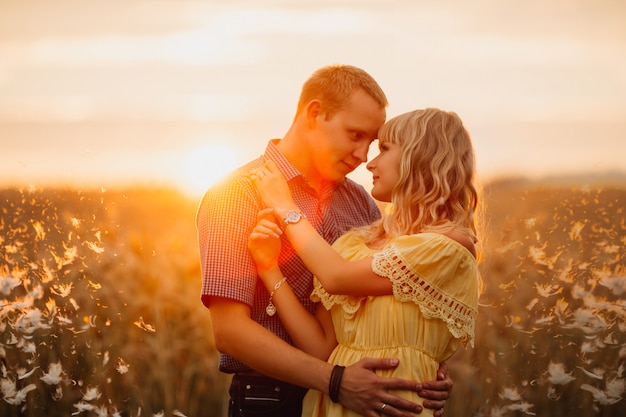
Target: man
<point>338,116</point>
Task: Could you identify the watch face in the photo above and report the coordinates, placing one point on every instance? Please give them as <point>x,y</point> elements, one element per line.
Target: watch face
<point>292,217</point>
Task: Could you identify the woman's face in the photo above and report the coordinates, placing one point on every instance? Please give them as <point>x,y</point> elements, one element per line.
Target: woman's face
<point>386,170</point>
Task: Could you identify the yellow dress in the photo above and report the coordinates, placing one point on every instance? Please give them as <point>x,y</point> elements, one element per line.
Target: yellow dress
<point>432,310</point>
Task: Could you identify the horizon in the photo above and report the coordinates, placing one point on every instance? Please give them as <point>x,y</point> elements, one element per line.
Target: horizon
<point>181,93</point>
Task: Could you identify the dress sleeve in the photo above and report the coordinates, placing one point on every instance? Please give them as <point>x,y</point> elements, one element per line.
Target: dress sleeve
<point>350,248</point>
<point>436,273</point>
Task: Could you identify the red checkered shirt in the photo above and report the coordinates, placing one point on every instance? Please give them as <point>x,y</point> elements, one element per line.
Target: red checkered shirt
<point>228,212</point>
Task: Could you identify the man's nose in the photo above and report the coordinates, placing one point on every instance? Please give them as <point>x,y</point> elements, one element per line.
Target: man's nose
<point>362,151</point>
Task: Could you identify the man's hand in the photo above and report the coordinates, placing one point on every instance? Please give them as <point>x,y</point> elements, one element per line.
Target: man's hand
<point>365,392</point>
<point>437,392</point>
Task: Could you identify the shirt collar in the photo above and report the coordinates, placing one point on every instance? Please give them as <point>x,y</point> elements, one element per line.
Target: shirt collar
<point>289,171</point>
<point>274,154</point>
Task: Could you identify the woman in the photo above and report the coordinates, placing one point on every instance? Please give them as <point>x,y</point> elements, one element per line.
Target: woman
<point>405,286</point>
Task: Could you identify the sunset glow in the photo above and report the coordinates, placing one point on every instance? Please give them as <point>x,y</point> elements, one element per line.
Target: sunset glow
<point>206,165</point>
<point>540,86</point>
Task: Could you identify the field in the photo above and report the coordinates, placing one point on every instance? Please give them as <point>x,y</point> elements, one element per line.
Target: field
<point>100,311</point>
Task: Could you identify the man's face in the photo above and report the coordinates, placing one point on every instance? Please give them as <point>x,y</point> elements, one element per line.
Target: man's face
<point>342,142</point>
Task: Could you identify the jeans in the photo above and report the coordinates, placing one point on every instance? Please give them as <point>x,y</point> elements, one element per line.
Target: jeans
<point>261,396</point>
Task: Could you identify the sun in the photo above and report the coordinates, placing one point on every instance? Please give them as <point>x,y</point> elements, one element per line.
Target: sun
<point>207,164</point>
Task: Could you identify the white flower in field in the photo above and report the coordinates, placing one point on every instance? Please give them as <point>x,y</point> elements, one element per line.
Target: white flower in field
<point>8,283</point>
<point>41,233</point>
<point>29,347</point>
<point>12,340</point>
<point>30,321</point>
<point>122,367</point>
<point>178,413</point>
<point>10,249</point>
<point>615,387</point>
<point>54,375</point>
<point>587,320</point>
<point>612,249</point>
<point>531,222</point>
<point>589,347</point>
<point>566,273</point>
<point>532,304</point>
<point>558,376</point>
<point>544,320</point>
<point>101,411</point>
<point>574,233</point>
<point>37,292</point>
<point>51,306</point>
<point>539,256</point>
<point>20,303</point>
<point>94,247</point>
<point>159,414</point>
<point>597,373</point>
<point>94,285</point>
<point>552,394</point>
<point>510,246</point>
<point>48,275</point>
<point>600,396</point>
<point>74,304</point>
<point>617,285</point>
<point>23,373</point>
<point>524,407</point>
<point>560,309</point>
<point>579,292</point>
<point>62,290</point>
<point>510,394</point>
<point>81,407</point>
<point>70,254</point>
<point>498,412</point>
<point>8,387</point>
<point>91,394</point>
<point>20,396</point>
<point>143,325</point>
<point>11,394</point>
<point>58,393</point>
<point>64,320</point>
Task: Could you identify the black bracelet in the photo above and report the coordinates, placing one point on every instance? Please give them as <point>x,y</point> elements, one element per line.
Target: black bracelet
<point>335,382</point>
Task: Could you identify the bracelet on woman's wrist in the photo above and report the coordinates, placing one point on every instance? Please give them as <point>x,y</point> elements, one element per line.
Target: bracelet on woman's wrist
<point>335,382</point>
<point>271,308</point>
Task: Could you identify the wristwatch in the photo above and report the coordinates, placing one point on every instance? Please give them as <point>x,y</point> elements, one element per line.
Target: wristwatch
<point>292,217</point>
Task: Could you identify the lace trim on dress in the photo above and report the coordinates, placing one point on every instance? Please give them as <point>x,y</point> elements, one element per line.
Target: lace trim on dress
<point>349,304</point>
<point>432,301</point>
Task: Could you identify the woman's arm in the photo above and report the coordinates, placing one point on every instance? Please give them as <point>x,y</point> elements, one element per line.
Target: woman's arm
<point>337,275</point>
<point>313,334</point>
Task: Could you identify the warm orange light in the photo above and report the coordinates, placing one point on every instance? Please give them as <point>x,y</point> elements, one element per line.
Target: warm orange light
<point>207,164</point>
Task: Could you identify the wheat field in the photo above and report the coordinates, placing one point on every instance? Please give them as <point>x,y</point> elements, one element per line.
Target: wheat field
<point>100,311</point>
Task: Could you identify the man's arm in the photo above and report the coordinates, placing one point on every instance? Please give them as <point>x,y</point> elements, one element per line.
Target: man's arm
<point>363,391</point>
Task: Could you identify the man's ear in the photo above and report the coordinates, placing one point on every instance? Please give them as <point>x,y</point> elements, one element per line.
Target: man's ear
<point>313,111</point>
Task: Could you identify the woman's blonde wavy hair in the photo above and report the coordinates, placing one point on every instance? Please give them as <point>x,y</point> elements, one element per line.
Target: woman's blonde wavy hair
<point>436,191</point>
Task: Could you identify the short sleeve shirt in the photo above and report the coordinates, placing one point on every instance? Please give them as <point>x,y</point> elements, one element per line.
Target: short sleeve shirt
<point>228,212</point>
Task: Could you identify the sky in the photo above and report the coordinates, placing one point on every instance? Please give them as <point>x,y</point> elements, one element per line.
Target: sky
<point>155,92</point>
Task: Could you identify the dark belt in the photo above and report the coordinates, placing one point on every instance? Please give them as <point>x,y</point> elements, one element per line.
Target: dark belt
<point>253,394</point>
